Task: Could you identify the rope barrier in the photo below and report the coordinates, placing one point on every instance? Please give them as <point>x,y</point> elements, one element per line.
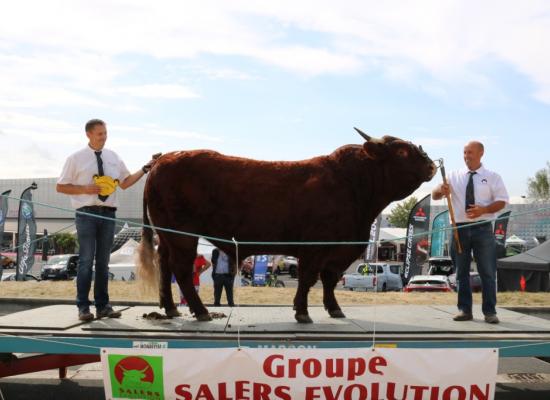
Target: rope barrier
<point>289,243</point>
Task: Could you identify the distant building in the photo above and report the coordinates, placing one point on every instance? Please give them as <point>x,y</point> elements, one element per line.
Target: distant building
<point>53,210</point>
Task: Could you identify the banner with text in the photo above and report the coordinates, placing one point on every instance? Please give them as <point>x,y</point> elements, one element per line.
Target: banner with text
<point>501,228</point>
<point>371,250</point>
<point>287,374</point>
<point>26,234</point>
<point>3,214</point>
<point>416,243</point>
<point>441,235</point>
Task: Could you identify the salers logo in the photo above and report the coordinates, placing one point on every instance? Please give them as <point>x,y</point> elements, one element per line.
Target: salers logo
<point>136,377</point>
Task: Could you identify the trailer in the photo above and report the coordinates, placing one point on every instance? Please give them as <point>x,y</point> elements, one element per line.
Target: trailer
<point>52,337</point>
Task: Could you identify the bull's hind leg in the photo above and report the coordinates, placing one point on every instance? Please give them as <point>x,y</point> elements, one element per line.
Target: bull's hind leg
<point>184,276</point>
<point>305,282</point>
<point>330,278</point>
<point>165,293</point>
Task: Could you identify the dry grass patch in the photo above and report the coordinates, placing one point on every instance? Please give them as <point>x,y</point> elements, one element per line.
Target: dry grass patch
<point>130,291</point>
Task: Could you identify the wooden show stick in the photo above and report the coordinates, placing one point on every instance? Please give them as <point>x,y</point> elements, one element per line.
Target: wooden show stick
<point>451,211</point>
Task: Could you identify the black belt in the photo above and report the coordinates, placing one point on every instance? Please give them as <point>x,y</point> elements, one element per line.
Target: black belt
<point>483,221</point>
<point>96,209</point>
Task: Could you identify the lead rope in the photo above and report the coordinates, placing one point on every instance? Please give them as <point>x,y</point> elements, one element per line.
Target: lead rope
<point>238,302</point>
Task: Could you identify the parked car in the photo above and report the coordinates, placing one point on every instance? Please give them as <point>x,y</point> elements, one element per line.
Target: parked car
<point>10,276</point>
<point>428,283</point>
<point>440,266</point>
<point>7,262</point>
<point>61,266</point>
<point>475,282</point>
<point>374,276</point>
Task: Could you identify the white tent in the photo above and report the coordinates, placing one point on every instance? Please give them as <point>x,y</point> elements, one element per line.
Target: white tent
<point>122,263</point>
<point>515,240</point>
<point>392,234</point>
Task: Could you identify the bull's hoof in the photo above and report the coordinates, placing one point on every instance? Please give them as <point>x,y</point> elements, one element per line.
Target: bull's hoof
<point>336,314</point>
<point>203,317</point>
<point>303,318</point>
<point>173,313</point>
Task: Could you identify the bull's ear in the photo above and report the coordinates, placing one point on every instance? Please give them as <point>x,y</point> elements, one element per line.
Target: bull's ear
<point>375,149</point>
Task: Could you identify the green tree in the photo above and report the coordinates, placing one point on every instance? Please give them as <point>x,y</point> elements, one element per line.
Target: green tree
<point>64,242</point>
<point>538,188</point>
<point>399,215</point>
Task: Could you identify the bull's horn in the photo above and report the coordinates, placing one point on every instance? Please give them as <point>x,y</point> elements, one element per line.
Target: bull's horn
<point>363,134</point>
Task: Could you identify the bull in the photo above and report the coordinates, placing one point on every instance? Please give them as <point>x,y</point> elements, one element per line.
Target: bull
<point>332,198</point>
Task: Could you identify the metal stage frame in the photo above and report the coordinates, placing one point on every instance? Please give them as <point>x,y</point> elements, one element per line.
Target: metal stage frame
<point>52,337</point>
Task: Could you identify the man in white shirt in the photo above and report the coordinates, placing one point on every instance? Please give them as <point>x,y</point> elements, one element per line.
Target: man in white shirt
<point>90,177</point>
<point>476,194</point>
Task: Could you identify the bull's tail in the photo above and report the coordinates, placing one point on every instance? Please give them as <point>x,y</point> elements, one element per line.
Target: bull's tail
<point>148,268</point>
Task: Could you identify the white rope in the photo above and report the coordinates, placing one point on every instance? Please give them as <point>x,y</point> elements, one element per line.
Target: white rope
<point>238,302</point>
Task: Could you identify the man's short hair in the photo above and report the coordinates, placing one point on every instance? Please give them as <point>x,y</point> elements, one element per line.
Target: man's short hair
<point>91,124</point>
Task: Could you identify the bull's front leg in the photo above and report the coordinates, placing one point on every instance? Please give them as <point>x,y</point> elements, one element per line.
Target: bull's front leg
<point>166,298</point>
<point>330,278</point>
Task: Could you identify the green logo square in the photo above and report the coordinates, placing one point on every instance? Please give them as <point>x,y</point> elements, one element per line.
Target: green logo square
<point>136,377</point>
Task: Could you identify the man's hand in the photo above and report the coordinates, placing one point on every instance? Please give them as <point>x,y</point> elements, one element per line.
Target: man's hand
<point>147,167</point>
<point>441,191</point>
<point>91,189</point>
<point>475,211</point>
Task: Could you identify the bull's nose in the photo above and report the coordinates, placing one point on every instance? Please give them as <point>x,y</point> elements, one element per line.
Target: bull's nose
<point>434,170</point>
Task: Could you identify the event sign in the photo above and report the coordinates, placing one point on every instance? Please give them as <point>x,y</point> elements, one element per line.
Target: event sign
<point>416,243</point>
<point>304,374</point>
<point>26,234</point>
<point>370,252</point>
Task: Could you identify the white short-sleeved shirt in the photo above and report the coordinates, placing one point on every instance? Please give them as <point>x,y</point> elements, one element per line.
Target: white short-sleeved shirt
<point>488,188</point>
<point>80,168</point>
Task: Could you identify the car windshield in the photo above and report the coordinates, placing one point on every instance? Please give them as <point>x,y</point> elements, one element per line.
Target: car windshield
<point>54,260</point>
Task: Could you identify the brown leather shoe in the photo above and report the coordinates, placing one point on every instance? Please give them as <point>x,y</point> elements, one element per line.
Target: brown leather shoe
<point>85,315</point>
<point>108,312</point>
<point>462,316</point>
<point>491,319</point>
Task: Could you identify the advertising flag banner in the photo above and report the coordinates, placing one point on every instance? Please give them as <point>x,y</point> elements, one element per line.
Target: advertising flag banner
<point>370,252</point>
<point>440,235</point>
<point>287,374</point>
<point>501,227</point>
<point>416,243</point>
<point>26,240</point>
<point>3,213</point>
<point>260,270</point>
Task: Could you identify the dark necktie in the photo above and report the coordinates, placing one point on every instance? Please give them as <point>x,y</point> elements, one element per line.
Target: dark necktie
<point>100,171</point>
<point>470,198</point>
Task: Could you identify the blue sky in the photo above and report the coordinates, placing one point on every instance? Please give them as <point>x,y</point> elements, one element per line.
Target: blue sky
<point>283,80</point>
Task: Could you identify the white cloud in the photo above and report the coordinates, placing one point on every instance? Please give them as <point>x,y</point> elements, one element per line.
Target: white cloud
<point>449,40</point>
<point>159,91</point>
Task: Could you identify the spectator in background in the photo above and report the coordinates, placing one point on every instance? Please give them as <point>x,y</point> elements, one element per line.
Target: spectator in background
<point>200,265</point>
<point>223,274</point>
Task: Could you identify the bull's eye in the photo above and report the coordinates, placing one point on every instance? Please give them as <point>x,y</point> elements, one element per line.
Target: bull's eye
<point>402,152</point>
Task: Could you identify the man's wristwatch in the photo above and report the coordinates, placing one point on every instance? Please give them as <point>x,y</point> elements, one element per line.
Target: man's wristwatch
<point>145,169</point>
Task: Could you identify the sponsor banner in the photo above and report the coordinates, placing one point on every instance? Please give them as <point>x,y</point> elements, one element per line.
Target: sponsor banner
<point>287,374</point>
<point>370,252</point>
<point>416,243</point>
<point>26,234</point>
<point>501,227</point>
<point>440,235</point>
<point>3,212</point>
<point>260,270</point>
